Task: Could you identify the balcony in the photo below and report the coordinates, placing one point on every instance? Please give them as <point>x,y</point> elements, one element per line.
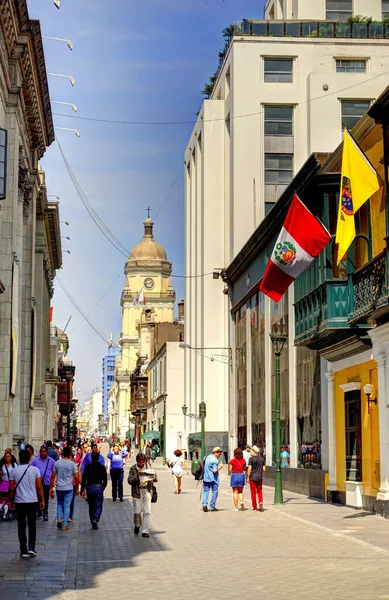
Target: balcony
<point>314,29</point>
<point>152,297</point>
<point>369,291</point>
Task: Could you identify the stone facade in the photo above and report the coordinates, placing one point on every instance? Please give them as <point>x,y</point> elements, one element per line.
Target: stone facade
<point>25,114</point>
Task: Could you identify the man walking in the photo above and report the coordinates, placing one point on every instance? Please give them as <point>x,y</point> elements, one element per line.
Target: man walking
<point>88,457</point>
<point>50,451</point>
<point>141,481</point>
<point>117,471</point>
<point>254,475</point>
<point>211,480</point>
<point>94,482</point>
<point>25,481</point>
<point>64,473</point>
<point>45,465</point>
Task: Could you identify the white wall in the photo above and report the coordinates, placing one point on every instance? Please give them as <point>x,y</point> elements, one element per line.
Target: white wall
<point>316,9</point>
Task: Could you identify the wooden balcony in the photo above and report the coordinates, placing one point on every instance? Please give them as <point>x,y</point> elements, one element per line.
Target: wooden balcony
<point>369,291</point>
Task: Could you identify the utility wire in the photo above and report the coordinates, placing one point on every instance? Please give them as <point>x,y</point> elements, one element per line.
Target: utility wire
<point>192,122</point>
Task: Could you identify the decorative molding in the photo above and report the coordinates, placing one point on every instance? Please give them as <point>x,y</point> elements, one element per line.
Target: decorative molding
<point>351,386</point>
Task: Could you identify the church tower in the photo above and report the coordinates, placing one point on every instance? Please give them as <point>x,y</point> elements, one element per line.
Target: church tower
<point>148,286</point>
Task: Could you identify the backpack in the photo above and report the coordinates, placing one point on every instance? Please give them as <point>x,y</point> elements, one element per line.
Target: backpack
<point>199,473</point>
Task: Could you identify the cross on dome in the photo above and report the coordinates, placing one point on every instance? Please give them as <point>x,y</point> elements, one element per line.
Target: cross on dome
<point>148,209</point>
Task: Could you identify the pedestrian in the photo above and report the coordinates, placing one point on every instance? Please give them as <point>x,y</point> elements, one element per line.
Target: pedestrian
<point>246,456</point>
<point>26,489</point>
<point>178,467</point>
<point>50,450</point>
<point>30,450</point>
<point>14,462</point>
<point>6,467</point>
<point>285,456</point>
<point>21,445</point>
<point>117,457</point>
<point>148,454</point>
<point>141,481</point>
<point>93,484</point>
<point>255,470</point>
<point>45,465</point>
<point>211,478</point>
<point>64,473</point>
<point>88,457</point>
<point>237,468</point>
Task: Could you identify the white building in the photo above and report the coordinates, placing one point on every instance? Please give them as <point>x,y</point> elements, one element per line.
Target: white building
<point>284,91</point>
<point>166,384</point>
<point>93,407</point>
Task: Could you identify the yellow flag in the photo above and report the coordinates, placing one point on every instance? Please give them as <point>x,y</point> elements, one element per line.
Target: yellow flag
<point>359,182</point>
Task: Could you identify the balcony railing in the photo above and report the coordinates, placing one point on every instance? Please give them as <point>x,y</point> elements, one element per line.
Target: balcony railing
<point>369,290</point>
<point>315,29</point>
<point>170,294</point>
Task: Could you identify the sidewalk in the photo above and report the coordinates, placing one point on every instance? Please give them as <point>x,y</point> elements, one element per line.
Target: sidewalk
<point>303,548</point>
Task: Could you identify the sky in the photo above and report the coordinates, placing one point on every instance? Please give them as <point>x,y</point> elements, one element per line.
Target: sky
<point>137,60</point>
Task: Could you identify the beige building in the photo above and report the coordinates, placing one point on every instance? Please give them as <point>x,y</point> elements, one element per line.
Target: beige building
<point>29,240</point>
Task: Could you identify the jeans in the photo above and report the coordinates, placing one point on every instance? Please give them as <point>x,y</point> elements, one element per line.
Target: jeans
<point>72,503</point>
<point>117,482</point>
<point>142,509</point>
<point>207,487</point>
<point>26,510</point>
<point>95,495</point>
<point>64,498</point>
<point>256,488</point>
<point>46,491</point>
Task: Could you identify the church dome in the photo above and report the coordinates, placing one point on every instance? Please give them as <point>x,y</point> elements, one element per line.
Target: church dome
<point>148,248</point>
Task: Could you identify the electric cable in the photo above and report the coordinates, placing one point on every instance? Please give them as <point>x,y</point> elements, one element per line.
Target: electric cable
<point>192,122</point>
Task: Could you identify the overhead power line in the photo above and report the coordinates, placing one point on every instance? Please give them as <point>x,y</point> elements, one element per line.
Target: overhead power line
<point>233,117</point>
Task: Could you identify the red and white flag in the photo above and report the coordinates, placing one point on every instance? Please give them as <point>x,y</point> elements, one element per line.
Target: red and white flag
<point>140,299</point>
<point>301,239</point>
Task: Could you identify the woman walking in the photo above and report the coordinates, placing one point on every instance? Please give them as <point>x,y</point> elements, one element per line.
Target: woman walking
<point>117,457</point>
<point>178,468</point>
<point>6,468</point>
<point>237,468</point>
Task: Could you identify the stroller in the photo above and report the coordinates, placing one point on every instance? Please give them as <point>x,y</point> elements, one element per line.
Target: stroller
<point>6,513</point>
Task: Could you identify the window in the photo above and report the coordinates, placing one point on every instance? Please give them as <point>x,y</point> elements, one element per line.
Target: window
<point>278,70</point>
<point>352,111</point>
<point>352,409</point>
<point>278,120</point>
<point>350,66</point>
<point>385,9</point>
<point>278,168</point>
<point>339,10</point>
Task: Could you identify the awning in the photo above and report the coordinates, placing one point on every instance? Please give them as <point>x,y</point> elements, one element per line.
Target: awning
<point>150,435</point>
<point>130,434</point>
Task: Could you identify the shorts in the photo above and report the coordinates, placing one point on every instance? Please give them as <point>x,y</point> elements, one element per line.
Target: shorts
<point>237,480</point>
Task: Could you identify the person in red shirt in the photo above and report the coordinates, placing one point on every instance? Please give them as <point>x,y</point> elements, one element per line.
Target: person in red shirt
<point>237,468</point>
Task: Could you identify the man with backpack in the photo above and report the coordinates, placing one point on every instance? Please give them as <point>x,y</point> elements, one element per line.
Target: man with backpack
<point>211,478</point>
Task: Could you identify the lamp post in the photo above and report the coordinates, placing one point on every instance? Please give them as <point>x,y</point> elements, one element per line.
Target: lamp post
<point>70,77</point>
<point>74,107</point>
<point>75,131</point>
<point>278,337</point>
<point>56,39</point>
<point>200,417</point>
<point>164,396</point>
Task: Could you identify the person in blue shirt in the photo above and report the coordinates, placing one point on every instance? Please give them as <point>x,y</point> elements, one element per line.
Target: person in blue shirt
<point>51,452</point>
<point>88,458</point>
<point>116,457</point>
<point>211,479</point>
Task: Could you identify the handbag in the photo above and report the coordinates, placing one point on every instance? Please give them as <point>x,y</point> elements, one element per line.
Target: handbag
<point>154,495</point>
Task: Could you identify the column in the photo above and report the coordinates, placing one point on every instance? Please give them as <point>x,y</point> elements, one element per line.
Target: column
<point>292,352</point>
<point>268,397</point>
<point>383,408</point>
<point>330,376</point>
<point>249,420</point>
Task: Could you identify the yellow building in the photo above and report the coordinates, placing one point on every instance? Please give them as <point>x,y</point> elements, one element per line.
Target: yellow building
<point>148,287</point>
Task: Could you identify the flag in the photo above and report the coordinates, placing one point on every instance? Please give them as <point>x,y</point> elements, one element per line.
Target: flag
<point>140,299</point>
<point>359,182</point>
<point>51,313</point>
<point>301,239</point>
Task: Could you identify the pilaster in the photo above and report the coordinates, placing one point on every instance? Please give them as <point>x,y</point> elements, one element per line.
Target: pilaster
<point>332,485</point>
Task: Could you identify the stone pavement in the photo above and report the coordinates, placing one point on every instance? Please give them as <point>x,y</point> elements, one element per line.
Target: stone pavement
<point>304,548</point>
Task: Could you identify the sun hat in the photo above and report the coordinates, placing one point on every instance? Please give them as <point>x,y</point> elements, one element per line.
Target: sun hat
<point>255,449</point>
<point>216,449</point>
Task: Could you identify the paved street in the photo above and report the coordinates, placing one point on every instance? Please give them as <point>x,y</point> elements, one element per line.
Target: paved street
<point>302,549</point>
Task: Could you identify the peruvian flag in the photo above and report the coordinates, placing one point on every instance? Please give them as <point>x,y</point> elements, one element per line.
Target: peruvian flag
<point>301,239</point>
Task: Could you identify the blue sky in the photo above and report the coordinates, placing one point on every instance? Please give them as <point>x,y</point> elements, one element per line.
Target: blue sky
<point>139,60</point>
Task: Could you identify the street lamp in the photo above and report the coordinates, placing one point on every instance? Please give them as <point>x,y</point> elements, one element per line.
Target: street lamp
<point>278,337</point>
<point>225,356</point>
<point>68,42</point>
<point>57,4</point>
<point>74,107</point>
<point>71,79</point>
<point>200,417</point>
<point>75,131</point>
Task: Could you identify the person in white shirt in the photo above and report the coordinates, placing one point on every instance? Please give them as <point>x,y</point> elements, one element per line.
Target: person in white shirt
<point>25,481</point>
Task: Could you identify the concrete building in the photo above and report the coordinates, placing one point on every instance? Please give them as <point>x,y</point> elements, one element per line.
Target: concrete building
<point>284,90</point>
<point>26,131</point>
<point>108,365</point>
<point>166,393</point>
<point>93,411</point>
